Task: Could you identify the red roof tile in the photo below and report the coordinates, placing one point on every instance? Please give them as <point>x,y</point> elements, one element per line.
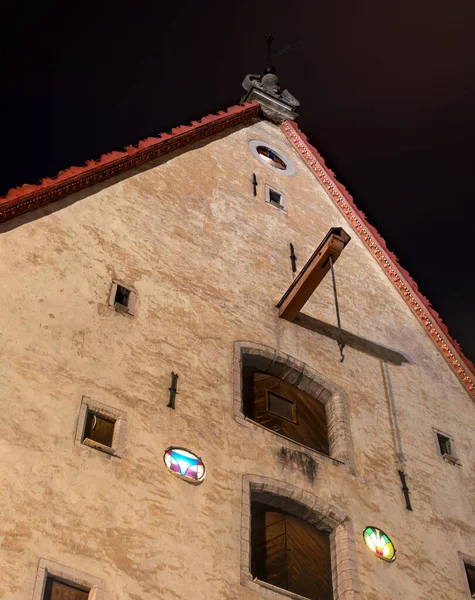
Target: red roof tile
<point>27,197</point>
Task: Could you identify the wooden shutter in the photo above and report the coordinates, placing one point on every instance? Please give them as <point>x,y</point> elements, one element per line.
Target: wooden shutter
<point>291,554</point>
<point>276,549</point>
<point>308,566</point>
<point>310,427</point>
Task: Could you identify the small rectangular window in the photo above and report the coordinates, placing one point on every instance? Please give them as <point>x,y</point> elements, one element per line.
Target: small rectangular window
<point>281,407</point>
<point>59,582</point>
<point>55,590</point>
<point>275,198</point>
<point>122,298</point>
<point>444,444</point>
<point>122,295</point>
<point>99,429</point>
<point>470,571</point>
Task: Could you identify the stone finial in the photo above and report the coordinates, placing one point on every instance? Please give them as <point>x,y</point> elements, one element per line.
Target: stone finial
<point>276,105</point>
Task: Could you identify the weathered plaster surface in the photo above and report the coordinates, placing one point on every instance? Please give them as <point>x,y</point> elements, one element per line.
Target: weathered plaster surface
<point>209,262</point>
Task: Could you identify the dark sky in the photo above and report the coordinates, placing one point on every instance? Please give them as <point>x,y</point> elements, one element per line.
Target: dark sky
<point>387,92</point>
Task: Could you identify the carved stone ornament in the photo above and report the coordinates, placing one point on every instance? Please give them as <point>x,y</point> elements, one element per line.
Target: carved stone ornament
<point>276,105</point>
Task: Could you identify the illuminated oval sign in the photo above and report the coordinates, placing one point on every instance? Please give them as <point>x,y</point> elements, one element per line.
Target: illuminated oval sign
<point>379,543</point>
<point>184,464</point>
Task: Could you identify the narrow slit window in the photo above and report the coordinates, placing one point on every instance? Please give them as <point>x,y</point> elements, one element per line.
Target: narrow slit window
<point>470,571</point>
<point>99,429</point>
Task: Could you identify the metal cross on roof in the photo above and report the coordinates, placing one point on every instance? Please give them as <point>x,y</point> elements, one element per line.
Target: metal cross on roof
<point>285,50</point>
<point>269,39</point>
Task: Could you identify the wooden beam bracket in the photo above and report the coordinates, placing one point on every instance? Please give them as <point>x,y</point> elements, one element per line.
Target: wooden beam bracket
<point>312,273</point>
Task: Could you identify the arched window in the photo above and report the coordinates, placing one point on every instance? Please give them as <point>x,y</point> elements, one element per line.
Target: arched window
<point>275,391</point>
<point>290,553</point>
<point>293,542</point>
<point>283,408</point>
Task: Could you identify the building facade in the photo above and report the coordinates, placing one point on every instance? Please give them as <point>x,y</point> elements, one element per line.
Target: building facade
<point>172,257</point>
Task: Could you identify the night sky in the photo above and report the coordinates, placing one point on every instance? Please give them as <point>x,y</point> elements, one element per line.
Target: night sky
<point>387,93</point>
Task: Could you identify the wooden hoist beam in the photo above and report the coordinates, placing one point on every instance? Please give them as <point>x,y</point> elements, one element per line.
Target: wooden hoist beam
<point>313,273</point>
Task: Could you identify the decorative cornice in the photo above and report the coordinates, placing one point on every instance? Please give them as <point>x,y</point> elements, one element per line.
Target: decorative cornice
<point>27,197</point>
<point>406,286</point>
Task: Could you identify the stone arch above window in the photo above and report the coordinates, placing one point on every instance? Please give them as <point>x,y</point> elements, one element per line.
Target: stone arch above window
<point>303,506</point>
<point>329,406</point>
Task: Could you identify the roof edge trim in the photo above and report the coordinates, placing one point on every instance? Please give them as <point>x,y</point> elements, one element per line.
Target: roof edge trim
<point>27,197</point>
<point>407,287</point>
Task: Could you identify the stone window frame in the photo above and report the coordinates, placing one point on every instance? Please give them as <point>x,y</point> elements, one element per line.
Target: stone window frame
<point>297,373</point>
<point>313,510</point>
<point>289,171</point>
<point>464,559</point>
<point>283,198</point>
<point>131,306</point>
<point>116,451</point>
<point>67,575</point>
<point>436,432</point>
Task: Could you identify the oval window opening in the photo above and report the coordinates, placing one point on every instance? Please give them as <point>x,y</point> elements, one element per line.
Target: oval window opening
<point>379,543</point>
<point>184,464</point>
<point>271,158</point>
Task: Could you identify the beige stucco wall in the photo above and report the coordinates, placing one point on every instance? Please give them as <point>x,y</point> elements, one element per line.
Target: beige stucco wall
<point>209,262</point>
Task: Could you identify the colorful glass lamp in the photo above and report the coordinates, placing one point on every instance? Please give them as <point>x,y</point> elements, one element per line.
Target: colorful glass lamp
<point>184,464</point>
<point>379,543</point>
